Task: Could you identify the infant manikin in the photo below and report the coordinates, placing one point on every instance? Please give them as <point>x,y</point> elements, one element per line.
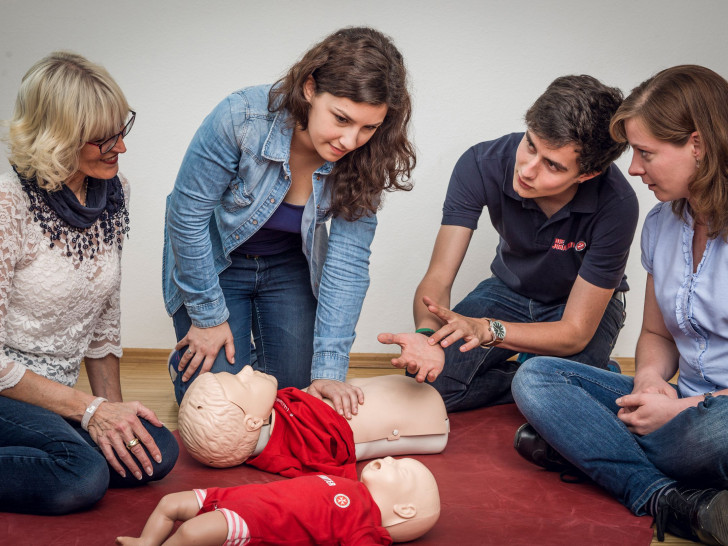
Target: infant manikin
<point>226,419</point>
<point>396,500</point>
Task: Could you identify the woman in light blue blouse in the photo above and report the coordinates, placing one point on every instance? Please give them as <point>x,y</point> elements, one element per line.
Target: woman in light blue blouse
<point>246,243</point>
<point>661,449</point>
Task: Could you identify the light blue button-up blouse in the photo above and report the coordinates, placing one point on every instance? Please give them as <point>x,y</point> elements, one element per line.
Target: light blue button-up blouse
<point>694,306</point>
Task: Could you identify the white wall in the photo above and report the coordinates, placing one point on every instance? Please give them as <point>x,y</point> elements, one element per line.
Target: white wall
<point>475,67</point>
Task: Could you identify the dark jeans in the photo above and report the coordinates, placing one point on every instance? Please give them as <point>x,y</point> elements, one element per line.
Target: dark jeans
<point>52,466</point>
<point>272,297</point>
<point>482,376</point>
<point>572,407</point>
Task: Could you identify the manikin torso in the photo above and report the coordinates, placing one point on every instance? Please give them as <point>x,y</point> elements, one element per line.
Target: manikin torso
<point>399,416</point>
<point>224,419</point>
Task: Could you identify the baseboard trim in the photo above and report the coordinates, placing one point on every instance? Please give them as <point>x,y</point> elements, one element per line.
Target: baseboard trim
<point>356,360</point>
<point>145,355</point>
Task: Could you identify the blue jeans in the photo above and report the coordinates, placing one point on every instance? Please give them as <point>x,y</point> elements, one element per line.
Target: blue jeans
<point>272,297</point>
<point>572,407</point>
<point>482,377</point>
<point>49,465</point>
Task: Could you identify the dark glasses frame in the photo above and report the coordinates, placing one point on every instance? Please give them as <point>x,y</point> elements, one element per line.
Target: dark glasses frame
<point>108,144</point>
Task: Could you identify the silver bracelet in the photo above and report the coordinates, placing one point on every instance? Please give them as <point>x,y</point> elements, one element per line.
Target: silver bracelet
<point>90,410</point>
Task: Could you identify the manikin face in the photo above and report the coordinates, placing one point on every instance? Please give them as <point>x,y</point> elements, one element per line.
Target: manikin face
<point>257,392</point>
<point>336,125</point>
<point>666,168</point>
<point>221,415</point>
<point>546,173</point>
<point>397,482</point>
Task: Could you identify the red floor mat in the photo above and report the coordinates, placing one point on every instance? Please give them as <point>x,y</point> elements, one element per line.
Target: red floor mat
<point>489,496</point>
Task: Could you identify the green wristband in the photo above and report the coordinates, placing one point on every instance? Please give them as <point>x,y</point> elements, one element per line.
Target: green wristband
<point>425,331</point>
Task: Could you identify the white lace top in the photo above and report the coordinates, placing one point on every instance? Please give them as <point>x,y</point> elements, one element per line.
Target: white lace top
<point>54,308</point>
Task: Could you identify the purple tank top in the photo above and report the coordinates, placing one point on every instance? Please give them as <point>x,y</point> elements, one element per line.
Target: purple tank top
<point>280,233</point>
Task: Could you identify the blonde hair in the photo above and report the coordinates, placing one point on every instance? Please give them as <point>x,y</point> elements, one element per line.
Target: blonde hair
<point>674,104</point>
<point>63,102</point>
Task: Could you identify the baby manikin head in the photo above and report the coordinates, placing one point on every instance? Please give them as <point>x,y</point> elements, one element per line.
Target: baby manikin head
<point>221,415</point>
<point>407,496</point>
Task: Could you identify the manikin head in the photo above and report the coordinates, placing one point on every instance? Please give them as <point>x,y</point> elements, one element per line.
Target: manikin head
<point>221,415</point>
<point>407,496</point>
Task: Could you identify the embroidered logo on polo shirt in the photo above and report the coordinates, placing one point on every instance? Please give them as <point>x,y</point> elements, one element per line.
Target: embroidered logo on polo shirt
<point>561,244</point>
<point>341,500</point>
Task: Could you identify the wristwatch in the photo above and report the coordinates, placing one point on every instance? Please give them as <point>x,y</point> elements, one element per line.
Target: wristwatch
<point>497,330</point>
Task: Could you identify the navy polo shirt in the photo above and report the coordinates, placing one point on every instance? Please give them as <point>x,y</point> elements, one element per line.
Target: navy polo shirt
<point>540,257</point>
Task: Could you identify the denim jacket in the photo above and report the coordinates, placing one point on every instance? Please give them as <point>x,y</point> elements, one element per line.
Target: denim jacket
<point>234,175</point>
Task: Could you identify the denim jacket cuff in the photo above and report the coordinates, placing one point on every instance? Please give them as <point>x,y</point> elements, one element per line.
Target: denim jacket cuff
<point>208,315</point>
<point>328,365</point>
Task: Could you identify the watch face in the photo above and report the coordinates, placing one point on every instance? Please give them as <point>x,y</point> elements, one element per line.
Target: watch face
<point>498,329</point>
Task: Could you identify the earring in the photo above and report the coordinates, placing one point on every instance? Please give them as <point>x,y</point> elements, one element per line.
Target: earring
<point>697,163</point>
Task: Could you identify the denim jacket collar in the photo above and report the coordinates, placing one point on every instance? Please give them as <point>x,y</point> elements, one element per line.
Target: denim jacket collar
<point>277,146</point>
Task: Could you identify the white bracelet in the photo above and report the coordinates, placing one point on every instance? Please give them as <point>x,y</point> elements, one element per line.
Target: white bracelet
<point>90,410</point>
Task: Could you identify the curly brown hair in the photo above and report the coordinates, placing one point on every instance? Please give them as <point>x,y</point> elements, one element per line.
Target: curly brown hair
<point>362,65</point>
<point>674,104</point>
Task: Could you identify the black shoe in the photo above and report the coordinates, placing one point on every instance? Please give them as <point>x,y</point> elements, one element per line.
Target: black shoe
<point>696,514</point>
<point>531,446</point>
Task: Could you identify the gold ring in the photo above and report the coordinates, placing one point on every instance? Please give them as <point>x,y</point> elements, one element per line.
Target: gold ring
<point>131,443</point>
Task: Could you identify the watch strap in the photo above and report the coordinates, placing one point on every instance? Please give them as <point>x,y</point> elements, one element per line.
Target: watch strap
<point>495,339</point>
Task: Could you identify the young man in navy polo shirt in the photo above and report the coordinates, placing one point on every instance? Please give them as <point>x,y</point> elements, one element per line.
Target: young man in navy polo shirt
<point>566,218</point>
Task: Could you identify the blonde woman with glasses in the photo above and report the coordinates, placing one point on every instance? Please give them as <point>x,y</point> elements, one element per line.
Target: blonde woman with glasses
<point>63,218</point>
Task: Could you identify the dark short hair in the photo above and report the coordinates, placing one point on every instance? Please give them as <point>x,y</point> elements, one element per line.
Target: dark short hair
<point>577,110</point>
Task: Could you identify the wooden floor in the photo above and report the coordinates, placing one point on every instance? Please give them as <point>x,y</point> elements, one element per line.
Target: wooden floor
<point>144,377</point>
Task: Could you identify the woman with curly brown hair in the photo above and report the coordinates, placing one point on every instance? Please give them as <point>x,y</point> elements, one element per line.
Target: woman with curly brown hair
<point>246,244</point>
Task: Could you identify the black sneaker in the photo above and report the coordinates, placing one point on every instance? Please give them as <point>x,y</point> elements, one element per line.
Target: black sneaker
<point>531,446</point>
<point>696,514</point>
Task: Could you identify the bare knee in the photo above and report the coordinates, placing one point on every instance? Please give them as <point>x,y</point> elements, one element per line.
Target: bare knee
<point>182,506</point>
<point>206,529</point>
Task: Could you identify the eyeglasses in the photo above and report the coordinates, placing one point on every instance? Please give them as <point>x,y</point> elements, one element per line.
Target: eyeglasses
<point>108,144</point>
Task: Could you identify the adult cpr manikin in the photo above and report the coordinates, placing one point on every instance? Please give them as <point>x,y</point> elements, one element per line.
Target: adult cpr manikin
<point>224,419</point>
